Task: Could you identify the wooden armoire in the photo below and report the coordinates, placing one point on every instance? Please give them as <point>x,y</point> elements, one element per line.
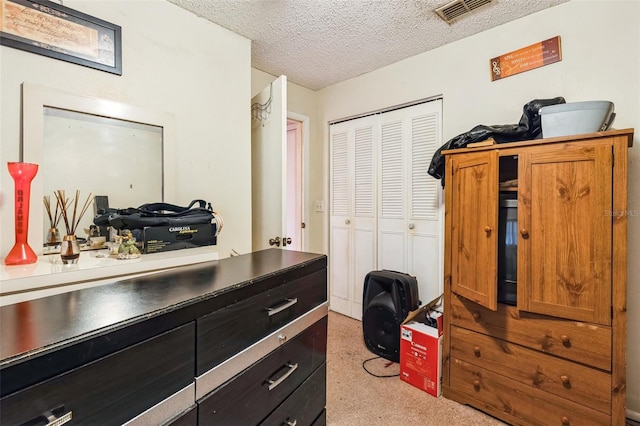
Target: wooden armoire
<point>554,355</point>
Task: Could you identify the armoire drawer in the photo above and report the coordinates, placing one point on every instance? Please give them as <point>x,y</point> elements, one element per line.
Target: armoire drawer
<point>227,331</point>
<point>113,389</point>
<point>517,403</point>
<point>251,395</point>
<point>577,341</point>
<point>567,379</point>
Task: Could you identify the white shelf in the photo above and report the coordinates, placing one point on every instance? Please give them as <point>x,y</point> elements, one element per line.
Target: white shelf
<point>49,276</point>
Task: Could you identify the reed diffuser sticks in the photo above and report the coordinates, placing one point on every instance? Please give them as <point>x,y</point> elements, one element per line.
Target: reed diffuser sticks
<point>71,221</point>
<point>54,217</point>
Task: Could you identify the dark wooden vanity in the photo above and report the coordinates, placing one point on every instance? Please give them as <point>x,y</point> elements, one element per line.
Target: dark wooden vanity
<point>237,341</point>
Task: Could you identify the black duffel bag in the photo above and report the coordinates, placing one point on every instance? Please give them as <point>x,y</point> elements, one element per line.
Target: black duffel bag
<point>157,214</point>
<point>529,127</point>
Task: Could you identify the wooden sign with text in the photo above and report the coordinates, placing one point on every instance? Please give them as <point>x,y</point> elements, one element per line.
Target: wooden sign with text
<point>525,59</point>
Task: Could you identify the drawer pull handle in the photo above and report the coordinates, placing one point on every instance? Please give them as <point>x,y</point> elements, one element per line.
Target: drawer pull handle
<point>54,417</point>
<point>274,383</point>
<point>476,385</point>
<point>565,380</point>
<point>476,316</point>
<point>290,423</point>
<point>287,304</point>
<point>565,340</point>
<point>565,421</point>
<point>476,351</point>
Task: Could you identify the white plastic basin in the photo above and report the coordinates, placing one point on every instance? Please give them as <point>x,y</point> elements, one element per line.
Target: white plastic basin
<point>575,118</point>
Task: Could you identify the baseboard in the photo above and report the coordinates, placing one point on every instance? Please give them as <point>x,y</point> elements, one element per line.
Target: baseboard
<point>633,415</point>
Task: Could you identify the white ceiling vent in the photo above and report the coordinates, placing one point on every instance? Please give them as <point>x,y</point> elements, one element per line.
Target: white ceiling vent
<point>459,8</point>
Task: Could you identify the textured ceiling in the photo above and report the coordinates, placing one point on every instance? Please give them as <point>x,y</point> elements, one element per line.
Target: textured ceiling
<point>317,43</point>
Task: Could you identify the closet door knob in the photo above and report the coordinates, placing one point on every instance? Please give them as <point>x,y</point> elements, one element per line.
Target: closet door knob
<point>488,230</point>
<point>524,233</point>
<point>347,221</point>
<point>411,226</point>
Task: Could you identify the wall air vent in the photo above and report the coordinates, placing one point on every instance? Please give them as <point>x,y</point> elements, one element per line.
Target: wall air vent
<point>457,9</point>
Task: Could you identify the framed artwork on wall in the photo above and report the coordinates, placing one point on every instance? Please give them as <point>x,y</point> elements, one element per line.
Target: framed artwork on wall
<point>54,30</point>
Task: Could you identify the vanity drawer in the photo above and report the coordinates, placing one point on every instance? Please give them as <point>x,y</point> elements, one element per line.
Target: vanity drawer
<point>113,389</point>
<point>227,331</point>
<point>304,405</point>
<point>321,420</point>
<point>577,341</point>
<point>189,418</point>
<point>567,379</point>
<point>251,395</point>
<point>517,403</point>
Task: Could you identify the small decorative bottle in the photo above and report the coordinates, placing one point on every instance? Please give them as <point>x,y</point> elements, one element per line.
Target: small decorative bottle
<point>69,250</point>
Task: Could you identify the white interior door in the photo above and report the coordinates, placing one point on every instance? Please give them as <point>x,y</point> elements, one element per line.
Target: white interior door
<point>268,164</point>
<point>294,185</point>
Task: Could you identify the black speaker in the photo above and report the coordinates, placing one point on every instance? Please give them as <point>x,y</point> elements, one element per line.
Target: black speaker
<point>388,297</point>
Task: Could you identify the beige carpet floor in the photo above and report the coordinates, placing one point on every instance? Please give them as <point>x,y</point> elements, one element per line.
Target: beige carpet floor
<point>354,397</point>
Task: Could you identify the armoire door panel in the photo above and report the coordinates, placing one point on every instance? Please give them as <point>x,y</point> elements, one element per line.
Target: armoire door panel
<point>475,227</point>
<point>568,245</point>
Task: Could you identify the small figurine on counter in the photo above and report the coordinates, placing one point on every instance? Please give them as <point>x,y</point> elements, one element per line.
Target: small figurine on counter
<point>128,248</point>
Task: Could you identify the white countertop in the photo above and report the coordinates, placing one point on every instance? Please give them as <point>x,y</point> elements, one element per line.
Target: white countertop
<point>49,276</point>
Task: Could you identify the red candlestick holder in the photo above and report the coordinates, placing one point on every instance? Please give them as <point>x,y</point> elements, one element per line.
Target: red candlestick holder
<point>22,174</point>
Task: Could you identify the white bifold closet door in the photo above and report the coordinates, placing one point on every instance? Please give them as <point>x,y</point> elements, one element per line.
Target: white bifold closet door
<point>385,208</point>
<point>353,204</point>
<point>409,226</point>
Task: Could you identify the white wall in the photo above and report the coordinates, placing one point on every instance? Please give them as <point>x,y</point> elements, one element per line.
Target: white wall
<point>174,62</point>
<point>301,100</point>
<point>600,60</point>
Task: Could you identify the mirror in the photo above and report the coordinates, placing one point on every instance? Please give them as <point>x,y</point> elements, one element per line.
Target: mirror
<point>96,146</point>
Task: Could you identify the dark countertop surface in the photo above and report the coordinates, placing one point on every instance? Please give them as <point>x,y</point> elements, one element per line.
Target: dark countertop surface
<point>33,328</point>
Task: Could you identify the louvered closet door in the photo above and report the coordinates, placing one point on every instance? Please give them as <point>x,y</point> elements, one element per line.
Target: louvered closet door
<point>352,219</point>
<point>409,225</point>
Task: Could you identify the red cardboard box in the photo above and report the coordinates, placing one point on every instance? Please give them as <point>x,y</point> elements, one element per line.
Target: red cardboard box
<point>421,356</point>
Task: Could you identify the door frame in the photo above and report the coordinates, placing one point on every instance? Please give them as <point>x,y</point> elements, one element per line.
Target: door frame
<point>304,120</point>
